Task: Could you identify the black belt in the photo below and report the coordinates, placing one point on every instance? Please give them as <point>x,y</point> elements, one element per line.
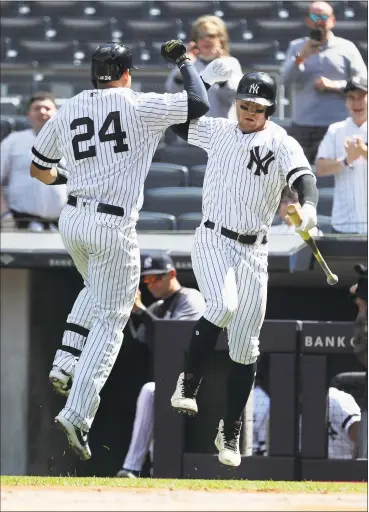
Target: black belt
<point>243,239</point>
<point>110,209</point>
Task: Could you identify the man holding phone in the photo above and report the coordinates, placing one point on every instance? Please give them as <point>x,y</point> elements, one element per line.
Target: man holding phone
<point>319,66</point>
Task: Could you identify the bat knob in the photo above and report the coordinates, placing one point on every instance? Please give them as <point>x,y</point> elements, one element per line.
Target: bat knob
<point>332,279</point>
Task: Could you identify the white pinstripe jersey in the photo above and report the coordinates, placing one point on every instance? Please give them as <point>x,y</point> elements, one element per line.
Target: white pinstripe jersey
<point>108,138</point>
<point>246,173</point>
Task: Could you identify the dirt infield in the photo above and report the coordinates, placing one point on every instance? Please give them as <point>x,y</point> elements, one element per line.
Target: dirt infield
<point>112,498</point>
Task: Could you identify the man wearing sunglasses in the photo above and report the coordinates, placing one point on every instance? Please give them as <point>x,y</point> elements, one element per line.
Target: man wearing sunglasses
<point>319,66</point>
<point>172,302</point>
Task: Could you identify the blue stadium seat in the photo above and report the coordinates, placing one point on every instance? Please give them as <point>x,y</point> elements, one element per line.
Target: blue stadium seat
<point>188,221</point>
<point>173,200</point>
<point>124,9</point>
<point>191,9</point>
<point>352,29</point>
<point>325,201</point>
<point>325,224</point>
<point>197,173</point>
<point>182,154</point>
<point>153,221</point>
<point>166,175</point>
<point>20,123</point>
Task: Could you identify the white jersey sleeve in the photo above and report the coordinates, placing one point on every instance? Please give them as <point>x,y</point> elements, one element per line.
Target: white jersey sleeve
<point>201,131</point>
<point>343,410</point>
<point>327,147</point>
<point>45,152</point>
<point>159,111</point>
<point>292,160</point>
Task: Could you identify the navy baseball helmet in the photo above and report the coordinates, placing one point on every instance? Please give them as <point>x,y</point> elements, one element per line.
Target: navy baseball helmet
<point>109,60</point>
<point>259,88</point>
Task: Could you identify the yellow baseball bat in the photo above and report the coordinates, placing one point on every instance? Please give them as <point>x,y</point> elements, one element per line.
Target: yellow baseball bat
<point>295,216</point>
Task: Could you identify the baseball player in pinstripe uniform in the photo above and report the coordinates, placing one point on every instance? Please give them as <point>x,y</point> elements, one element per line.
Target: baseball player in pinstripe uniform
<point>108,136</point>
<point>249,164</point>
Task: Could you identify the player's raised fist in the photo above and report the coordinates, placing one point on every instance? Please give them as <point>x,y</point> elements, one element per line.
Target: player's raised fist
<point>217,71</point>
<point>174,51</point>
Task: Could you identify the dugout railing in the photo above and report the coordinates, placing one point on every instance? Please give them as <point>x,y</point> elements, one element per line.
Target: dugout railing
<point>298,379</point>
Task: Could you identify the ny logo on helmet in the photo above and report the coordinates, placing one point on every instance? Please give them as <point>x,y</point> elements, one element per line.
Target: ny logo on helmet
<point>262,163</point>
<point>254,88</point>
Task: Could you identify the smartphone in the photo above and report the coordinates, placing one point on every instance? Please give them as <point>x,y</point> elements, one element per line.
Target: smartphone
<point>317,34</point>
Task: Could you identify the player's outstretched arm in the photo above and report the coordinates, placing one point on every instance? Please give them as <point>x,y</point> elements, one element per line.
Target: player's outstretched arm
<point>175,52</point>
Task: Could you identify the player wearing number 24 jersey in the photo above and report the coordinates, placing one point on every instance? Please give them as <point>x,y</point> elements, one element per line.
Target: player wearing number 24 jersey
<point>108,136</point>
<point>249,164</point>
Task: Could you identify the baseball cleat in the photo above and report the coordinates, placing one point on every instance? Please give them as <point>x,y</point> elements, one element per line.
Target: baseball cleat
<point>228,443</point>
<point>60,380</point>
<point>77,439</point>
<point>125,473</point>
<point>184,396</point>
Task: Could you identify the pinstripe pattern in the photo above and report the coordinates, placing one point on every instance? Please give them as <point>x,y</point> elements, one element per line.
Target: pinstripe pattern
<point>232,194</point>
<point>233,277</point>
<point>106,253</point>
<point>111,177</point>
<point>143,429</point>
<point>108,138</point>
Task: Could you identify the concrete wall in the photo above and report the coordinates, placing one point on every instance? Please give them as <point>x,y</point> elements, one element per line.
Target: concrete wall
<point>14,343</point>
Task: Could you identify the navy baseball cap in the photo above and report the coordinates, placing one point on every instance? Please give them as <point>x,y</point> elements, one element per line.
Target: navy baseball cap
<point>160,263</point>
<point>357,82</point>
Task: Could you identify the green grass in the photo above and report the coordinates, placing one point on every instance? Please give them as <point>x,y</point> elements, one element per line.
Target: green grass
<point>153,483</point>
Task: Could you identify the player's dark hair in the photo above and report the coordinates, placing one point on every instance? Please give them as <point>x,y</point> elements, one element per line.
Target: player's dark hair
<point>40,96</point>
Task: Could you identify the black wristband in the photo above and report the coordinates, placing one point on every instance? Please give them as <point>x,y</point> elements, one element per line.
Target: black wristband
<point>61,179</point>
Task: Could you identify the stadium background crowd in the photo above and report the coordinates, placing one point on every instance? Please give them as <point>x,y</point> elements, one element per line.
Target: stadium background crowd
<point>45,52</point>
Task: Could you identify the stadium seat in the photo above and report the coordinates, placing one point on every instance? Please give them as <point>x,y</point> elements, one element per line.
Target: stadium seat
<point>20,123</point>
<point>83,29</point>
<point>151,29</point>
<point>45,51</point>
<point>191,9</point>
<point>166,175</point>
<point>54,8</point>
<point>189,221</point>
<point>241,9</point>
<point>173,200</point>
<point>153,221</point>
<point>6,127</point>
<point>325,224</point>
<point>124,9</point>
<point>325,201</point>
<point>352,29</point>
<point>197,173</point>
<point>16,27</point>
<point>182,154</point>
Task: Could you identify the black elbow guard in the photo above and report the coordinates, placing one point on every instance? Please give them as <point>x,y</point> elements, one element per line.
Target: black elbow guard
<point>197,107</point>
<point>306,189</point>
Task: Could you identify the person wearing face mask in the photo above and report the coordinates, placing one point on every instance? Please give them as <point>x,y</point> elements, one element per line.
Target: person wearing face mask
<point>28,204</point>
<point>250,161</point>
<point>209,41</point>
<point>319,66</point>
<point>343,153</point>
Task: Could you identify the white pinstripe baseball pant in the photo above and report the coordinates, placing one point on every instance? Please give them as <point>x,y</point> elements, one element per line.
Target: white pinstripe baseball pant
<point>233,279</point>
<point>105,251</point>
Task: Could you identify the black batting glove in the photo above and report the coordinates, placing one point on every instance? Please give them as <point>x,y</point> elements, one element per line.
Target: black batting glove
<point>174,51</point>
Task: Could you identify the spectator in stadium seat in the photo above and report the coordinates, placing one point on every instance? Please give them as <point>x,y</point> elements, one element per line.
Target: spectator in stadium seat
<point>209,41</point>
<point>28,203</point>
<point>173,302</point>
<point>343,153</point>
<point>319,67</point>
